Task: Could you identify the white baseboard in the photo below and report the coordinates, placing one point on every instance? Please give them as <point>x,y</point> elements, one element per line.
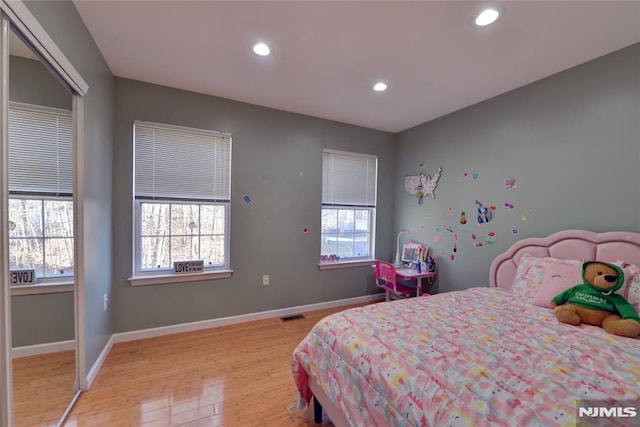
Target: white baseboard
<point>37,349</point>
<point>232,320</point>
<point>95,369</point>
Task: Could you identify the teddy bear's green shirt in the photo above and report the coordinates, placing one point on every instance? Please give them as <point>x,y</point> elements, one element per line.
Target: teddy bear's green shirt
<point>588,296</point>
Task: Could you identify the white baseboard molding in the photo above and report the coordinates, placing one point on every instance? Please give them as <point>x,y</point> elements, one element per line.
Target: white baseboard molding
<point>37,349</point>
<point>232,320</point>
<point>95,369</point>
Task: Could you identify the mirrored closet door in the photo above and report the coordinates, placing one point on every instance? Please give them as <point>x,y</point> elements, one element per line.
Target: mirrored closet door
<point>41,239</point>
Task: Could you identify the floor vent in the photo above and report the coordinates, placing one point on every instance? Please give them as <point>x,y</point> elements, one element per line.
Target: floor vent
<point>294,317</point>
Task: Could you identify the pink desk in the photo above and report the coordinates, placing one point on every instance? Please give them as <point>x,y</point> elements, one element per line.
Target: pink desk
<point>411,274</point>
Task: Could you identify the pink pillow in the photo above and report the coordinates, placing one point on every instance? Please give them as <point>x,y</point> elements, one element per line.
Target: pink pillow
<point>557,278</point>
<point>631,288</point>
<point>531,272</point>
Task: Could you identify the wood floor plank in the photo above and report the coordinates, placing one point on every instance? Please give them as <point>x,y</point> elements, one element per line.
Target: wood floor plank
<point>236,375</point>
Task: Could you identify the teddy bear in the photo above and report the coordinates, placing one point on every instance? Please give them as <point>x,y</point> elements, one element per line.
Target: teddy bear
<point>595,302</point>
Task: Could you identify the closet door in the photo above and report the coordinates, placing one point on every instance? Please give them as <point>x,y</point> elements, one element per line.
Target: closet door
<point>41,224</point>
<point>41,239</point>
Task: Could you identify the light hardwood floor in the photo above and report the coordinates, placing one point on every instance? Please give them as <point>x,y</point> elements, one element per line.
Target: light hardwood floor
<point>42,388</point>
<point>236,375</point>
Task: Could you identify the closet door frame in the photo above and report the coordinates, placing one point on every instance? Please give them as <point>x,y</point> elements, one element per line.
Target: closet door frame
<point>15,15</point>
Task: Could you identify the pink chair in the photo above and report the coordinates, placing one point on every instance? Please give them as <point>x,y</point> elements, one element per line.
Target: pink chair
<point>387,280</point>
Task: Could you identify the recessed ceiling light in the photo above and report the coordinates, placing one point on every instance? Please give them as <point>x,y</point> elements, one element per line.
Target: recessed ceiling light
<point>261,49</point>
<point>379,87</point>
<point>487,16</point>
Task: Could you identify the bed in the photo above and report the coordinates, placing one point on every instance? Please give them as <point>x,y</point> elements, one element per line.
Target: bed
<point>479,357</point>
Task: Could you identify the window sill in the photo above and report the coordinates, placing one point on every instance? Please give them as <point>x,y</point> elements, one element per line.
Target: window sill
<point>346,264</point>
<point>42,288</point>
<point>160,279</point>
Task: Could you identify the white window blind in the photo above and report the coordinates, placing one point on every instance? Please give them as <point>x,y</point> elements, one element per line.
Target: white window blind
<point>40,150</point>
<point>173,162</point>
<point>349,179</point>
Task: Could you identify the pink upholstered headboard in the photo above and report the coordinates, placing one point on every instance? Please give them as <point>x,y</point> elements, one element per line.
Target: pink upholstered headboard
<point>573,244</point>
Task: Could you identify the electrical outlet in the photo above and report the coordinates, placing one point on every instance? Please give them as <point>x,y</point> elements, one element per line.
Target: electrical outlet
<point>265,279</point>
<point>105,302</point>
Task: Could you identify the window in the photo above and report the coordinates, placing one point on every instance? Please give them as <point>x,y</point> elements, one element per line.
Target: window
<point>40,190</point>
<point>348,206</point>
<point>182,195</point>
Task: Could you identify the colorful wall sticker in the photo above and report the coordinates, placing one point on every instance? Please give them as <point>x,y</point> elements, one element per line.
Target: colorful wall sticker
<point>463,218</point>
<point>484,215</point>
<point>491,237</point>
<point>246,199</point>
<point>422,185</point>
<point>510,183</point>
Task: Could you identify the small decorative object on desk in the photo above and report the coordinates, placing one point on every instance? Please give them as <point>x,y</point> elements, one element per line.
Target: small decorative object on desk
<point>329,258</point>
<point>431,264</point>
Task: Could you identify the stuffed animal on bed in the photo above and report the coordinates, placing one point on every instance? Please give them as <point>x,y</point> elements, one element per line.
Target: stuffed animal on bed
<point>595,302</point>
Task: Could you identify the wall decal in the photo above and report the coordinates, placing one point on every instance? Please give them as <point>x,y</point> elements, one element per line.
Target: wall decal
<point>246,199</point>
<point>484,215</point>
<point>510,183</point>
<point>422,185</point>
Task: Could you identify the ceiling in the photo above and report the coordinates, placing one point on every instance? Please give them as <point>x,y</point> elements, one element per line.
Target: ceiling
<point>328,54</point>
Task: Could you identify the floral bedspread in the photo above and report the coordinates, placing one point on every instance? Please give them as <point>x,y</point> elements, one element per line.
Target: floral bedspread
<point>479,357</point>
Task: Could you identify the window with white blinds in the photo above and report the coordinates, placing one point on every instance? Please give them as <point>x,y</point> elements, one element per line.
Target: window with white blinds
<point>174,162</point>
<point>349,183</point>
<point>182,190</point>
<point>349,179</point>
<point>40,169</point>
<point>40,150</point>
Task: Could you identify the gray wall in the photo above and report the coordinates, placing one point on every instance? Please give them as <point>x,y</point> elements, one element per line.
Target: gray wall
<point>37,319</point>
<point>63,24</point>
<point>571,141</point>
<point>277,162</point>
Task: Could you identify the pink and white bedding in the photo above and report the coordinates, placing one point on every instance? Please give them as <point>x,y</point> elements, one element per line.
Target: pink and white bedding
<point>480,357</point>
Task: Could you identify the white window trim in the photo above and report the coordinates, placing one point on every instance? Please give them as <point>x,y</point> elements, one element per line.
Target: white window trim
<point>150,277</point>
<point>355,262</point>
<point>145,275</point>
<point>346,264</point>
<point>43,288</point>
<point>160,279</point>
